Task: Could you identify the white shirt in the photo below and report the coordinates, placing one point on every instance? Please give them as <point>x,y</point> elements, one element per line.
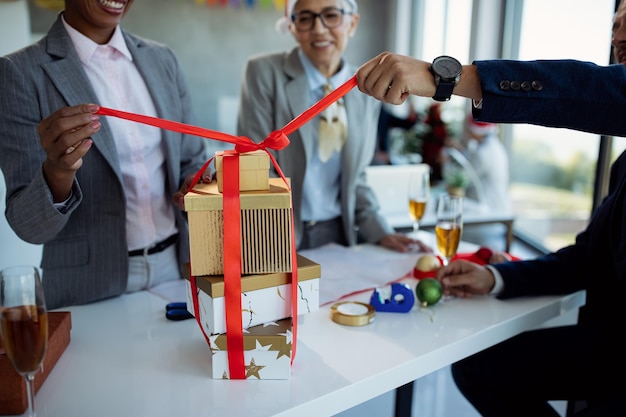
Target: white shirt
<point>499,284</point>
<point>119,85</point>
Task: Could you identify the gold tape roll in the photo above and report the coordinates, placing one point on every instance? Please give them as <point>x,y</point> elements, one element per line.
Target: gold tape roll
<point>352,313</point>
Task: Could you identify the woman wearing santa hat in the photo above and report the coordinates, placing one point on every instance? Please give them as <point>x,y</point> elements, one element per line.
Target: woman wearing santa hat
<point>489,158</point>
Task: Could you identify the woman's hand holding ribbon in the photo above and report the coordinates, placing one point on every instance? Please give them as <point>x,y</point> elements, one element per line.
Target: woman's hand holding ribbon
<point>65,136</point>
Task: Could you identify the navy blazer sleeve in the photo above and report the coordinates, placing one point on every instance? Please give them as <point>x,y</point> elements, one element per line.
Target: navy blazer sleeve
<point>555,93</point>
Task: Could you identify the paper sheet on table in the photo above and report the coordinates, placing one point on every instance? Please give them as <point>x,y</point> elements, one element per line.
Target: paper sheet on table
<point>348,270</point>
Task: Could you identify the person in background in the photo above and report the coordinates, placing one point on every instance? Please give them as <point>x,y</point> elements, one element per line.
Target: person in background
<point>433,141</point>
<point>331,199</point>
<point>580,362</point>
<point>96,192</point>
<point>487,155</point>
<point>480,151</point>
<point>387,120</point>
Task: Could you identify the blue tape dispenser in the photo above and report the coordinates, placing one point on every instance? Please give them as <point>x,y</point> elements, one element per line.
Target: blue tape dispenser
<point>394,298</point>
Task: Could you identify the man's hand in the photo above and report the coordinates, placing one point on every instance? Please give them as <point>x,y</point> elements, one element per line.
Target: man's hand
<point>391,78</point>
<point>463,279</point>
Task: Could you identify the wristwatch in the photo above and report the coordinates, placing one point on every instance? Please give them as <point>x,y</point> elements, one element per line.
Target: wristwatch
<point>447,72</point>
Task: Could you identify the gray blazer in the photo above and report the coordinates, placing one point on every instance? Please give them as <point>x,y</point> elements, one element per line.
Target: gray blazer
<point>85,255</point>
<point>274,91</point>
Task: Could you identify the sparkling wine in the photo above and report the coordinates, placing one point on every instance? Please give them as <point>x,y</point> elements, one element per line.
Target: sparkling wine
<point>24,332</point>
<point>448,238</point>
<point>417,209</point>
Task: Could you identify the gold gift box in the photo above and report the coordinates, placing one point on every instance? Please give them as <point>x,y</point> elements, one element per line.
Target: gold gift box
<point>253,170</point>
<point>265,229</point>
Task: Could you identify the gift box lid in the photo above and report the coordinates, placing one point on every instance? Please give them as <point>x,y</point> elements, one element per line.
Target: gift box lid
<point>248,161</point>
<point>208,197</point>
<point>213,285</point>
<point>273,336</point>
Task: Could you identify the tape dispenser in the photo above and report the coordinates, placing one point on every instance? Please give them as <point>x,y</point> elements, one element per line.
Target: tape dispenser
<point>394,298</point>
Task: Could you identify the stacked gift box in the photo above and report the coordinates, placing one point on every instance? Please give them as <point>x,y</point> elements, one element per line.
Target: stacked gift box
<point>266,266</point>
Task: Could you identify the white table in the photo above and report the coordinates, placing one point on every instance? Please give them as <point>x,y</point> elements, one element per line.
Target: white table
<point>126,359</point>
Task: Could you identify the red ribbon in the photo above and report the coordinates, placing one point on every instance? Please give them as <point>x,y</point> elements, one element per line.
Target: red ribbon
<point>232,267</point>
<point>276,140</point>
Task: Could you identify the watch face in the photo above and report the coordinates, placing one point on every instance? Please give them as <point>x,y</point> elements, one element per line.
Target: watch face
<point>447,67</point>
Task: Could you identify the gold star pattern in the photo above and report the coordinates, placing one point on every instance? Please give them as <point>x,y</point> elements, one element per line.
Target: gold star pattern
<point>284,349</point>
<point>253,369</point>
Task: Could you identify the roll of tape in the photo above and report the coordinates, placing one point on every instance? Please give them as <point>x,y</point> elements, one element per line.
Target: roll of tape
<point>352,313</point>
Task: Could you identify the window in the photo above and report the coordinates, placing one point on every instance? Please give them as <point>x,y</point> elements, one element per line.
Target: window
<point>545,162</point>
<point>553,170</point>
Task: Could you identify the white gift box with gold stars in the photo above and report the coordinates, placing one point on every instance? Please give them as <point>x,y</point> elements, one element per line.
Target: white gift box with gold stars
<point>264,297</point>
<point>267,352</point>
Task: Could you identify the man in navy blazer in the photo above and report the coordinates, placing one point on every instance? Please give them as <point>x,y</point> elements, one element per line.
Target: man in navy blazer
<point>585,361</point>
<point>65,181</point>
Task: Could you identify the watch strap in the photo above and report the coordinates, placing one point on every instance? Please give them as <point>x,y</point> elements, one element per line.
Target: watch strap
<point>444,90</point>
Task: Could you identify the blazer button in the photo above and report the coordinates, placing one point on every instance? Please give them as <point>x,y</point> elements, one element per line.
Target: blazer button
<point>537,85</point>
<point>505,85</point>
<point>515,85</point>
<point>526,85</point>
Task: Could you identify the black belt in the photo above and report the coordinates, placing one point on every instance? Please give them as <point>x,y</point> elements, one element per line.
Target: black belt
<point>159,247</point>
<point>310,224</point>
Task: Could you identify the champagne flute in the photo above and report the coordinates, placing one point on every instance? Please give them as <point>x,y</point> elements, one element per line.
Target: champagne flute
<point>23,323</point>
<point>449,226</point>
<point>419,189</point>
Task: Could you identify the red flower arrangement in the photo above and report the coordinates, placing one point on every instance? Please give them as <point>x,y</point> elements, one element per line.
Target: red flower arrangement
<point>433,140</point>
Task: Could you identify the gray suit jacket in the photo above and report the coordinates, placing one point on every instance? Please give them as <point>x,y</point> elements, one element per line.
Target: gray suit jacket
<point>274,91</point>
<point>85,255</point>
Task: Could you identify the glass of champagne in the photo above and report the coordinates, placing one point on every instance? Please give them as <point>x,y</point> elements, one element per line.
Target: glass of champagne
<point>419,190</point>
<point>23,323</point>
<point>449,226</point>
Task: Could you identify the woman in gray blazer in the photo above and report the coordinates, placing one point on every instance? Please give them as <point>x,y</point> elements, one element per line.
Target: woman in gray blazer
<point>66,184</point>
<point>332,202</point>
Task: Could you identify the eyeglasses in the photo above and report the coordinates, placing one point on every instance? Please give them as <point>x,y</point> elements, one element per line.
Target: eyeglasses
<point>330,17</point>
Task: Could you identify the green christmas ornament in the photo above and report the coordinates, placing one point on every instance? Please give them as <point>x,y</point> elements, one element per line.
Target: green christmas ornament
<point>428,291</point>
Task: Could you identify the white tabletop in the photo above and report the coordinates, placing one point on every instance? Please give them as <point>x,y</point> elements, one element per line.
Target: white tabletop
<point>126,359</point>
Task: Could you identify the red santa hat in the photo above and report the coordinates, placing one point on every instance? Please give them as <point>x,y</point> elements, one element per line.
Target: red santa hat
<point>282,25</point>
<point>480,128</point>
